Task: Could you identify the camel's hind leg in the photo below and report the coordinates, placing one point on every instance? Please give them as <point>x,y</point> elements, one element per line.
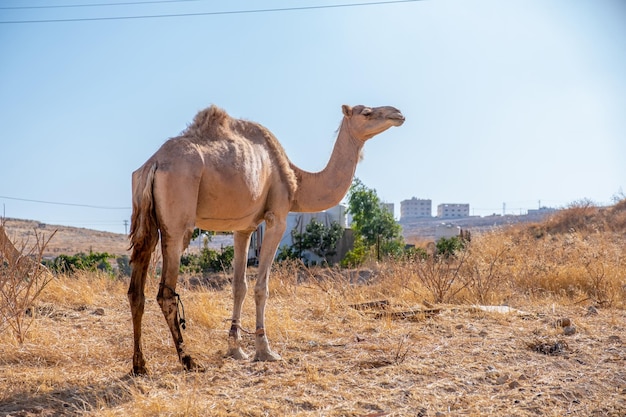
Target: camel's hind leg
<point>140,260</point>
<point>172,248</point>
<point>176,199</point>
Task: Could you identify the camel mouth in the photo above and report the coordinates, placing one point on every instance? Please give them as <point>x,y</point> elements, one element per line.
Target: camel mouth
<point>397,118</point>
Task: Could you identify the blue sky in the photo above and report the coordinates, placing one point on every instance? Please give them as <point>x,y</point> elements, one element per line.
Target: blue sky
<point>510,102</point>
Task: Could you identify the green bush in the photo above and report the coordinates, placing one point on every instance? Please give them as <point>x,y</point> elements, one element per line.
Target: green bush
<point>70,264</point>
<point>358,255</point>
<point>286,253</point>
<point>208,260</point>
<point>447,247</point>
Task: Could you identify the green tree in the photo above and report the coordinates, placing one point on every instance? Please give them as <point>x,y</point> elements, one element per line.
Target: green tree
<point>372,221</point>
<point>317,238</point>
<point>448,247</point>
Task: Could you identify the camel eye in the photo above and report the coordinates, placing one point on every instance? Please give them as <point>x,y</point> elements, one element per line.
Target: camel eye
<point>366,111</point>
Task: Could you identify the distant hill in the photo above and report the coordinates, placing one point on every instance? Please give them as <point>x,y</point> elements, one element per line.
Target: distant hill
<point>71,240</point>
<point>66,240</point>
<point>584,217</point>
<point>420,230</point>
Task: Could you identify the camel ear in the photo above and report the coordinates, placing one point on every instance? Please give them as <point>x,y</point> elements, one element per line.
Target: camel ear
<point>347,110</point>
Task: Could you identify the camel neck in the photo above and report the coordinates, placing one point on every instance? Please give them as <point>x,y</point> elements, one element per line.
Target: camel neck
<point>322,190</point>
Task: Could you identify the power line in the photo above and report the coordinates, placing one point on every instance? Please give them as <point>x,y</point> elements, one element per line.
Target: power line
<point>67,6</point>
<point>65,204</point>
<point>227,12</point>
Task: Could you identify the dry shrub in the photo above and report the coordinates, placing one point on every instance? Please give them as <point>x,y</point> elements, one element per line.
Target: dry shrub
<point>72,291</point>
<point>440,276</point>
<point>585,217</point>
<point>573,265</point>
<point>486,271</point>
<point>22,279</point>
<point>580,216</point>
<point>284,277</point>
<point>578,255</point>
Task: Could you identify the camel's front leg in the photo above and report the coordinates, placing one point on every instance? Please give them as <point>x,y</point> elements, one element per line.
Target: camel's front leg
<point>240,287</point>
<point>273,234</point>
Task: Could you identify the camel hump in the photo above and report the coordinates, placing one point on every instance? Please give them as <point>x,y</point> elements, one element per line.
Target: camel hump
<point>213,123</point>
<point>208,120</point>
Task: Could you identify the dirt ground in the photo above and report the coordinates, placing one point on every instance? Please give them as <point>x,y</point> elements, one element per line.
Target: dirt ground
<point>338,360</point>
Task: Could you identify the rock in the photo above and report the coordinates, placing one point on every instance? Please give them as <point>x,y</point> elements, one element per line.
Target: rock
<point>99,311</point>
<point>514,384</point>
<point>592,311</point>
<point>492,372</point>
<point>569,330</point>
<point>563,322</point>
<point>502,379</point>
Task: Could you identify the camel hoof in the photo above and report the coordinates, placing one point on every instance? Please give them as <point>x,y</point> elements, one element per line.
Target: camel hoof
<point>139,371</point>
<point>236,353</point>
<point>267,356</point>
<point>190,365</point>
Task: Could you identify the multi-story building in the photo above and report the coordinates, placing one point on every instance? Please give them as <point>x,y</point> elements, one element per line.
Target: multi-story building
<point>447,211</point>
<point>415,208</point>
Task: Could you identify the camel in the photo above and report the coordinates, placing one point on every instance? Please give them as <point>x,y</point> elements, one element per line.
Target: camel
<point>227,174</point>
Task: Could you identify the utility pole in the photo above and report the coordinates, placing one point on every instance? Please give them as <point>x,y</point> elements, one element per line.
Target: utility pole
<point>503,209</point>
<point>125,227</point>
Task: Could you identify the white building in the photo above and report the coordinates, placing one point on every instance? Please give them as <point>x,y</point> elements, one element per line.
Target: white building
<point>298,222</point>
<point>448,211</point>
<point>415,208</point>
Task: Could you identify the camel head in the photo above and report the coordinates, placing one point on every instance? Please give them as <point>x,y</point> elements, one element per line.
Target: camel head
<point>366,122</point>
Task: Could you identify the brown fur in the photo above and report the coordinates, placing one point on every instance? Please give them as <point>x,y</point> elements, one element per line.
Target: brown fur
<point>213,122</point>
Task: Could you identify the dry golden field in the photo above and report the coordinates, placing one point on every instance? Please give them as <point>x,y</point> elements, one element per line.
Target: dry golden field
<point>426,348</point>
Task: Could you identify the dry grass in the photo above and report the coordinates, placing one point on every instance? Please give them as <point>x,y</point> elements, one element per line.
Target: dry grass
<point>383,359</point>
<point>338,361</point>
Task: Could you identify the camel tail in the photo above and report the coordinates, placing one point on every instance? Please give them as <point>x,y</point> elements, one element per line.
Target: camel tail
<point>143,224</point>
